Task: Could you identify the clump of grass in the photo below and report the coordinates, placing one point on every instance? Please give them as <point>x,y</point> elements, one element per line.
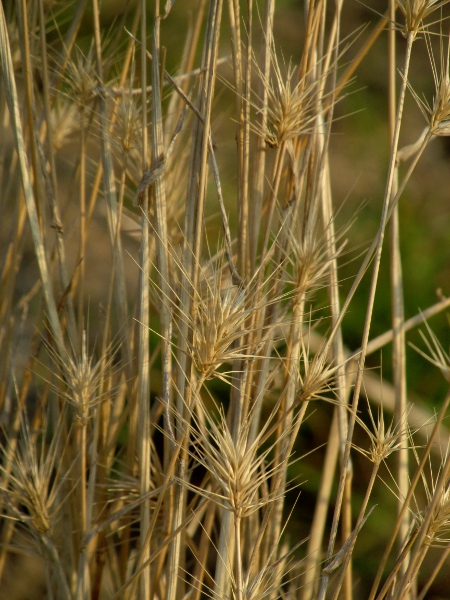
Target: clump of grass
<point>156,456</point>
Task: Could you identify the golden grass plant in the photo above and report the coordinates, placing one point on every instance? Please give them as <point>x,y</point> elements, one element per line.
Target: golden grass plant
<point>167,331</point>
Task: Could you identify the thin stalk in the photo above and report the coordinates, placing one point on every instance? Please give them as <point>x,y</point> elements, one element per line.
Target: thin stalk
<point>193,237</point>
<point>193,233</point>
<point>275,485</point>
<point>33,215</point>
<point>200,572</point>
<point>393,574</point>
<point>272,199</point>
<point>398,313</point>
<point>82,209</point>
<point>440,563</point>
<point>282,449</point>
<point>83,572</point>
<point>314,549</point>
<point>110,189</point>
<point>244,213</point>
<point>259,165</point>
<point>376,241</point>
<point>376,266</point>
<point>143,388</point>
<point>162,245</point>
<point>52,187</point>
<point>412,487</point>
<point>238,558</point>
<point>30,103</point>
<point>358,525</point>
<point>425,536</point>
<point>338,346</point>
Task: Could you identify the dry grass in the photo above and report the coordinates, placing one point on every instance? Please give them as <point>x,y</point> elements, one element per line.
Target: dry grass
<point>152,408</point>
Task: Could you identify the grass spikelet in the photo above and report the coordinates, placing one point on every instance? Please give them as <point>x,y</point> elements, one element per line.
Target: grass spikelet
<point>36,486</point>
<point>290,103</point>
<point>127,128</point>
<point>436,354</point>
<point>315,375</point>
<point>384,440</point>
<point>83,377</point>
<point>439,528</point>
<point>224,314</point>
<point>416,11</point>
<point>82,79</point>
<point>31,482</point>
<point>238,468</point>
<point>64,122</point>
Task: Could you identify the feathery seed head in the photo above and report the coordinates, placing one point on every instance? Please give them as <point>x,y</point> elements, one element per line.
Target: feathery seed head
<point>439,526</point>
<point>221,321</point>
<point>223,316</point>
<point>440,115</point>
<point>238,467</point>
<point>436,353</point>
<point>437,114</point>
<point>439,532</point>
<point>290,104</point>
<point>82,79</point>
<point>415,11</point>
<point>82,377</point>
<point>127,133</point>
<point>383,441</point>
<point>31,482</point>
<point>314,378</point>
<point>308,256</point>
<point>64,121</point>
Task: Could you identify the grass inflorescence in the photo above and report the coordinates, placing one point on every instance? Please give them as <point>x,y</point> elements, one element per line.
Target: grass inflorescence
<point>173,314</point>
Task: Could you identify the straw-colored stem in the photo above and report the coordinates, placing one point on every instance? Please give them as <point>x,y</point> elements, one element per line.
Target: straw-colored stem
<point>271,201</point>
<point>438,566</point>
<point>33,215</point>
<point>359,522</point>
<point>52,185</point>
<point>394,573</point>
<point>238,558</point>
<point>314,549</point>
<point>282,449</point>
<point>82,209</point>
<point>110,187</point>
<point>426,534</point>
<point>257,194</point>
<point>412,486</point>
<point>370,303</point>
<point>80,518</point>
<point>30,103</point>
<point>398,317</point>
<point>143,338</point>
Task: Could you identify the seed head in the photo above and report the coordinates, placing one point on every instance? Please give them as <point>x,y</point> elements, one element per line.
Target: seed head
<point>436,353</point>
<point>383,441</point>
<point>415,11</point>
<point>238,467</point>
<point>64,121</point>
<point>31,481</point>
<point>290,103</point>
